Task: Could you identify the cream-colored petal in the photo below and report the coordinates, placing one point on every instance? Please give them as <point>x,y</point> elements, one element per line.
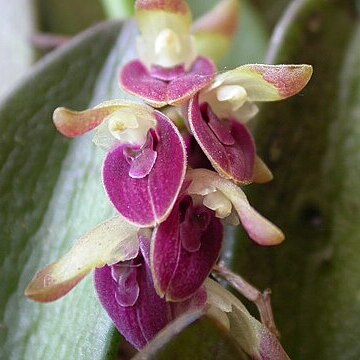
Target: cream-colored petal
<point>261,230</point>
<point>75,123</point>
<point>112,241</point>
<point>262,174</point>
<point>165,28</point>
<point>251,335</point>
<point>267,82</point>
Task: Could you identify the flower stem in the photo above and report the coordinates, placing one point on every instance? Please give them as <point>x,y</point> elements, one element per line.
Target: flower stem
<point>262,300</point>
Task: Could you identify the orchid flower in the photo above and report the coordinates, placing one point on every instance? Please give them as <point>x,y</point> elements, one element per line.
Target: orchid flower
<point>143,147</point>
<point>168,71</point>
<point>217,114</point>
<point>152,261</point>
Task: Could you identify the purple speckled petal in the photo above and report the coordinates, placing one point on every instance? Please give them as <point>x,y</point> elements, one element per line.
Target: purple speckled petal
<point>179,273</point>
<point>236,161</point>
<point>184,87</point>
<point>136,80</point>
<point>142,321</point>
<point>148,201</point>
<point>176,89</point>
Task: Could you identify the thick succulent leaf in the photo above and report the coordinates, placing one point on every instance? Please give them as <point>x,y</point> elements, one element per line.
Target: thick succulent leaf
<point>193,336</point>
<point>52,193</point>
<point>318,212</point>
<point>113,241</point>
<point>228,144</point>
<point>148,200</point>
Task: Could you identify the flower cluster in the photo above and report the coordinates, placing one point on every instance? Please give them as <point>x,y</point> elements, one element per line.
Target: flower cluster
<point>173,169</point>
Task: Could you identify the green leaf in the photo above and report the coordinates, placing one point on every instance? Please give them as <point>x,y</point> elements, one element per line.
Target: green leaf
<point>68,16</point>
<point>311,143</point>
<point>192,337</point>
<point>51,193</point>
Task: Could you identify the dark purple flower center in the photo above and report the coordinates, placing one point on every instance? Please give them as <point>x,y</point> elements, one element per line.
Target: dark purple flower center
<point>194,220</point>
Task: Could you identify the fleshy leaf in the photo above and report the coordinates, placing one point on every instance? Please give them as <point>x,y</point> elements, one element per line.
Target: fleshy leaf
<point>112,241</point>
<point>147,201</point>
<point>215,30</point>
<point>180,267</point>
<point>228,144</point>
<point>258,228</point>
<point>267,82</point>
<point>137,80</point>
<point>252,336</point>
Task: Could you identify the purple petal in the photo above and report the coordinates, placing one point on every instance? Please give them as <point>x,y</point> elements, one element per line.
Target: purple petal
<point>176,88</point>
<point>235,161</point>
<point>184,87</point>
<point>147,201</point>
<point>136,80</point>
<point>141,321</point>
<point>138,323</point>
<point>177,272</point>
<point>221,128</point>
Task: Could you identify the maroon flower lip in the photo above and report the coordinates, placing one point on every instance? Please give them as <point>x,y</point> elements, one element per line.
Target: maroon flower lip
<point>184,249</point>
<point>127,293</point>
<point>162,87</point>
<point>227,143</point>
<point>143,187</point>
